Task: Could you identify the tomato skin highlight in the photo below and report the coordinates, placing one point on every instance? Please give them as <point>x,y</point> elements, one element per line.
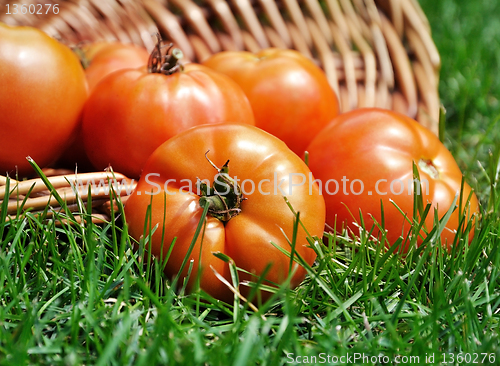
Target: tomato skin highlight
<point>132,112</point>
<point>254,156</point>
<point>374,144</point>
<point>42,94</point>
<point>290,96</point>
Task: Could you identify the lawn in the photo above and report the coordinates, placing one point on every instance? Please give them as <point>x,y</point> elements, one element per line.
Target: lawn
<point>74,295</point>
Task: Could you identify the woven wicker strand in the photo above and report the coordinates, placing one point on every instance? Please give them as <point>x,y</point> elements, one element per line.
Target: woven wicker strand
<point>375,53</point>
<point>71,187</point>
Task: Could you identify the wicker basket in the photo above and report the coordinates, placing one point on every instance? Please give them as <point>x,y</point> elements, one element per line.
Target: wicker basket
<point>375,53</point>
<point>34,194</point>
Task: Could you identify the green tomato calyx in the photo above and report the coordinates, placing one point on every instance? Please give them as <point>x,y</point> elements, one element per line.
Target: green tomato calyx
<point>224,197</point>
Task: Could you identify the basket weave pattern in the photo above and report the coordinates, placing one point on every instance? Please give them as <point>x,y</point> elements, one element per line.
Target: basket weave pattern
<point>374,53</point>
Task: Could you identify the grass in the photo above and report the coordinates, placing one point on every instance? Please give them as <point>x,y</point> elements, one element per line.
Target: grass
<point>467,35</point>
<point>78,294</point>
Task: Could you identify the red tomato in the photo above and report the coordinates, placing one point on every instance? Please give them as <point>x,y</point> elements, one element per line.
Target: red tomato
<point>263,217</point>
<point>369,153</point>
<point>132,112</point>
<point>42,93</point>
<point>104,58</point>
<point>101,58</point>
<point>290,96</point>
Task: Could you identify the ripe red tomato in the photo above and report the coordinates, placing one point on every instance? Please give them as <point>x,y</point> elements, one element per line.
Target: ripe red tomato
<point>290,96</point>
<point>265,169</point>
<point>132,112</point>
<point>101,59</point>
<point>42,93</point>
<point>369,153</point>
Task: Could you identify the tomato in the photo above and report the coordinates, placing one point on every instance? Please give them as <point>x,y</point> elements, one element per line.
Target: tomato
<point>42,93</point>
<point>132,112</point>
<point>290,96</point>
<point>264,169</point>
<point>101,59</point>
<point>366,157</point>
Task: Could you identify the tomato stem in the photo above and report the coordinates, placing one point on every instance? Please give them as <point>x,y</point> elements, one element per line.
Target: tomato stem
<point>163,61</point>
<point>78,51</point>
<point>224,197</point>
